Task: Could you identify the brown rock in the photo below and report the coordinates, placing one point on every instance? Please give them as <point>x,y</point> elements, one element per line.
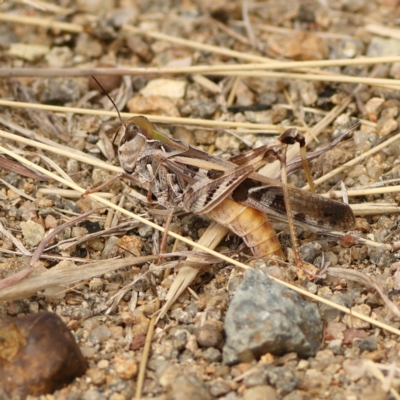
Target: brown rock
<point>107,82</point>
<point>38,355</point>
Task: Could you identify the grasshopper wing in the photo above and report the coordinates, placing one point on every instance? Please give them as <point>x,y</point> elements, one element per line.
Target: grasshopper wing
<point>310,211</point>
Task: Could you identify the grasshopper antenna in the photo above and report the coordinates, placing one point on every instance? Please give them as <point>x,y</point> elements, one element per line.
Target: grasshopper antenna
<point>113,103</point>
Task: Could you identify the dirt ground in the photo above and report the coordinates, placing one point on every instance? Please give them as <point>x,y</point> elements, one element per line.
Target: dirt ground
<point>226,77</point>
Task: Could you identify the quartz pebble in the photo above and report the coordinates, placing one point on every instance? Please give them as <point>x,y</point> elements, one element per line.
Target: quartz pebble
<point>173,89</point>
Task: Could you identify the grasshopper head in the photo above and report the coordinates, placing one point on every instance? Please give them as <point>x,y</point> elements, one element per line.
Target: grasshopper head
<point>134,134</point>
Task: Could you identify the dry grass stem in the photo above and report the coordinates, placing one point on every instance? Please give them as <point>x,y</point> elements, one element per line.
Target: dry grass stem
<point>393,83</point>
<point>337,194</point>
<point>145,355</point>
<point>196,69</point>
<point>62,151</point>
<point>153,118</point>
<point>375,208</point>
<point>71,194</point>
<point>381,30</point>
<point>32,284</point>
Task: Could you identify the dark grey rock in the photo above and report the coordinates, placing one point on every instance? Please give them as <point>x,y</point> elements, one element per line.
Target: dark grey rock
<point>265,317</point>
<point>367,344</point>
<point>381,257</point>
<point>310,251</point>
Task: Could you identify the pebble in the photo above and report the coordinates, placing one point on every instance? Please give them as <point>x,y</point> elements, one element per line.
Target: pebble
<point>28,52</point>
<point>348,48</point>
<point>59,57</point>
<point>204,136</point>
<point>335,331</point>
<point>283,379</point>
<point>184,134</point>
<point>367,344</point>
<point>310,251</point>
<point>263,392</point>
<point>99,334</point>
<point>315,378</point>
<point>219,387</point>
<point>126,369</point>
<point>172,88</point>
<point>88,352</point>
<point>395,71</point>
<point>212,355</point>
<point>227,143</point>
<point>354,369</point>
<point>382,47</point>
<point>244,96</point>
<point>209,336</point>
<point>169,373</point>
<point>362,225</point>
<point>187,387</point>
<point>97,376</point>
<point>386,125</point>
<point>265,317</point>
<point>381,257</point>
<point>259,117</point>
<point>87,46</point>
<point>33,232</point>
<point>200,108</point>
<point>78,231</point>
<point>354,322</point>
<point>93,394</point>
<point>301,46</point>
<point>373,107</point>
<point>307,92</point>
<point>131,244</point>
<point>257,377</point>
<point>50,222</point>
<point>60,90</point>
<point>152,105</point>
<point>107,82</point>
<point>140,48</point>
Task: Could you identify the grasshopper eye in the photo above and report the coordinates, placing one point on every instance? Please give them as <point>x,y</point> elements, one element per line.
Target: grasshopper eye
<point>131,130</point>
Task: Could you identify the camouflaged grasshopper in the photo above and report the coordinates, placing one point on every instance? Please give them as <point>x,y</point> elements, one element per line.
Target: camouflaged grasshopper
<point>229,192</point>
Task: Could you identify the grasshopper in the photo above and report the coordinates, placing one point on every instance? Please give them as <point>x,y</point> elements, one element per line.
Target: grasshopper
<point>229,192</point>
